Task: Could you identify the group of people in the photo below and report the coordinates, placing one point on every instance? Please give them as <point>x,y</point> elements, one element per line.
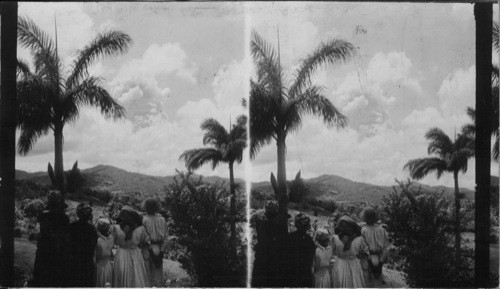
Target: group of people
<point>343,255</point>
<point>128,253</point>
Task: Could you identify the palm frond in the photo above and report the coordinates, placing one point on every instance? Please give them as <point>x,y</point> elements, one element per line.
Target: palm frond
<point>34,99</point>
<point>313,102</point>
<point>471,112</point>
<point>105,44</point>
<point>333,52</point>
<point>28,138</point>
<point>267,67</point>
<point>494,74</point>
<point>215,133</point>
<point>469,129</point>
<point>239,130</point>
<point>42,48</point>
<point>440,143</point>
<point>195,158</point>
<point>32,37</point>
<point>262,119</point>
<point>419,168</point>
<point>291,115</point>
<point>34,114</point>
<point>23,69</point>
<point>90,93</point>
<point>235,150</point>
<point>495,36</point>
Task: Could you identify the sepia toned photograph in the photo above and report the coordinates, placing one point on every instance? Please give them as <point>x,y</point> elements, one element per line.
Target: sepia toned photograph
<point>249,144</point>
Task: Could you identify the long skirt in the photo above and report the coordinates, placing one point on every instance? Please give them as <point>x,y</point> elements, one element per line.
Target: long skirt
<point>322,278</point>
<point>103,272</point>
<point>129,269</point>
<point>348,273</point>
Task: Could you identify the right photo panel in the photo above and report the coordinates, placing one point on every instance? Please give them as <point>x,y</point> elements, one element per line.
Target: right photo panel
<point>362,125</point>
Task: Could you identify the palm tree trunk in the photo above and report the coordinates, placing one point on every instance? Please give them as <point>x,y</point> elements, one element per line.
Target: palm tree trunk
<point>282,195</point>
<point>457,218</point>
<point>58,161</point>
<point>232,209</point>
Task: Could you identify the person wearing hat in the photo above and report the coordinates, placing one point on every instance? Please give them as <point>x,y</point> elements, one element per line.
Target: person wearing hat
<point>104,253</point>
<point>130,236</point>
<point>84,242</point>
<point>324,253</point>
<point>156,227</point>
<point>350,249</point>
<point>301,254</point>
<point>377,239</point>
<point>53,254</point>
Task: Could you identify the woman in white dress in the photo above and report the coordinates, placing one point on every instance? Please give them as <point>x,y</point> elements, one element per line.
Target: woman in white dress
<point>130,236</point>
<point>349,248</point>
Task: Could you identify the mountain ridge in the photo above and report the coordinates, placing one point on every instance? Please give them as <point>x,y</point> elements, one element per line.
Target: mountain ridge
<point>325,186</point>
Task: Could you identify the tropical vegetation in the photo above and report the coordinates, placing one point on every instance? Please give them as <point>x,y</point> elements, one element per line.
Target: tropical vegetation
<point>277,105</point>
<point>49,97</point>
<point>450,156</point>
<point>226,147</point>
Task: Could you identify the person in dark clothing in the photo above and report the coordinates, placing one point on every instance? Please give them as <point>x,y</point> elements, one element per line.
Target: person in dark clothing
<point>301,250</point>
<point>267,269</point>
<point>53,254</point>
<point>84,241</point>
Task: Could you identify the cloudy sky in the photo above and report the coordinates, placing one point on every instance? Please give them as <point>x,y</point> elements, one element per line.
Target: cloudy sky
<point>189,61</point>
<point>415,70</point>
<point>186,64</point>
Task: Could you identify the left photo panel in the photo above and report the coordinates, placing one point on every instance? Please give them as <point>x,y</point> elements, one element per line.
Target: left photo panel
<point>130,146</point>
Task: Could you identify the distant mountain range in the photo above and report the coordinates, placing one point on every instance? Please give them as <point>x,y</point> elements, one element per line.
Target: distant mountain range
<point>342,189</point>
<point>116,179</point>
<point>325,186</point>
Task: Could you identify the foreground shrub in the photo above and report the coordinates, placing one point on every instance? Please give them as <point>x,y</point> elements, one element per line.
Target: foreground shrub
<point>33,208</point>
<point>421,226</point>
<point>30,190</point>
<point>200,223</point>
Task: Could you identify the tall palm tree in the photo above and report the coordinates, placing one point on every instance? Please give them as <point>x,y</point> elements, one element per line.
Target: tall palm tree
<point>450,157</point>
<point>277,105</point>
<point>494,116</point>
<point>49,98</point>
<point>226,147</point>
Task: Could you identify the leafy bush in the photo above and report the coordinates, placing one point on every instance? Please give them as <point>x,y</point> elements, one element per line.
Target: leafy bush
<point>30,190</point>
<point>258,199</point>
<point>33,208</point>
<point>199,221</point>
<point>133,199</point>
<point>327,204</point>
<point>420,224</point>
<point>99,194</point>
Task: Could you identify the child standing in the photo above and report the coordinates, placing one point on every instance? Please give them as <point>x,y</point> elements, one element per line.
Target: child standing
<point>378,243</point>
<point>104,253</point>
<point>321,264</point>
<point>349,247</point>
